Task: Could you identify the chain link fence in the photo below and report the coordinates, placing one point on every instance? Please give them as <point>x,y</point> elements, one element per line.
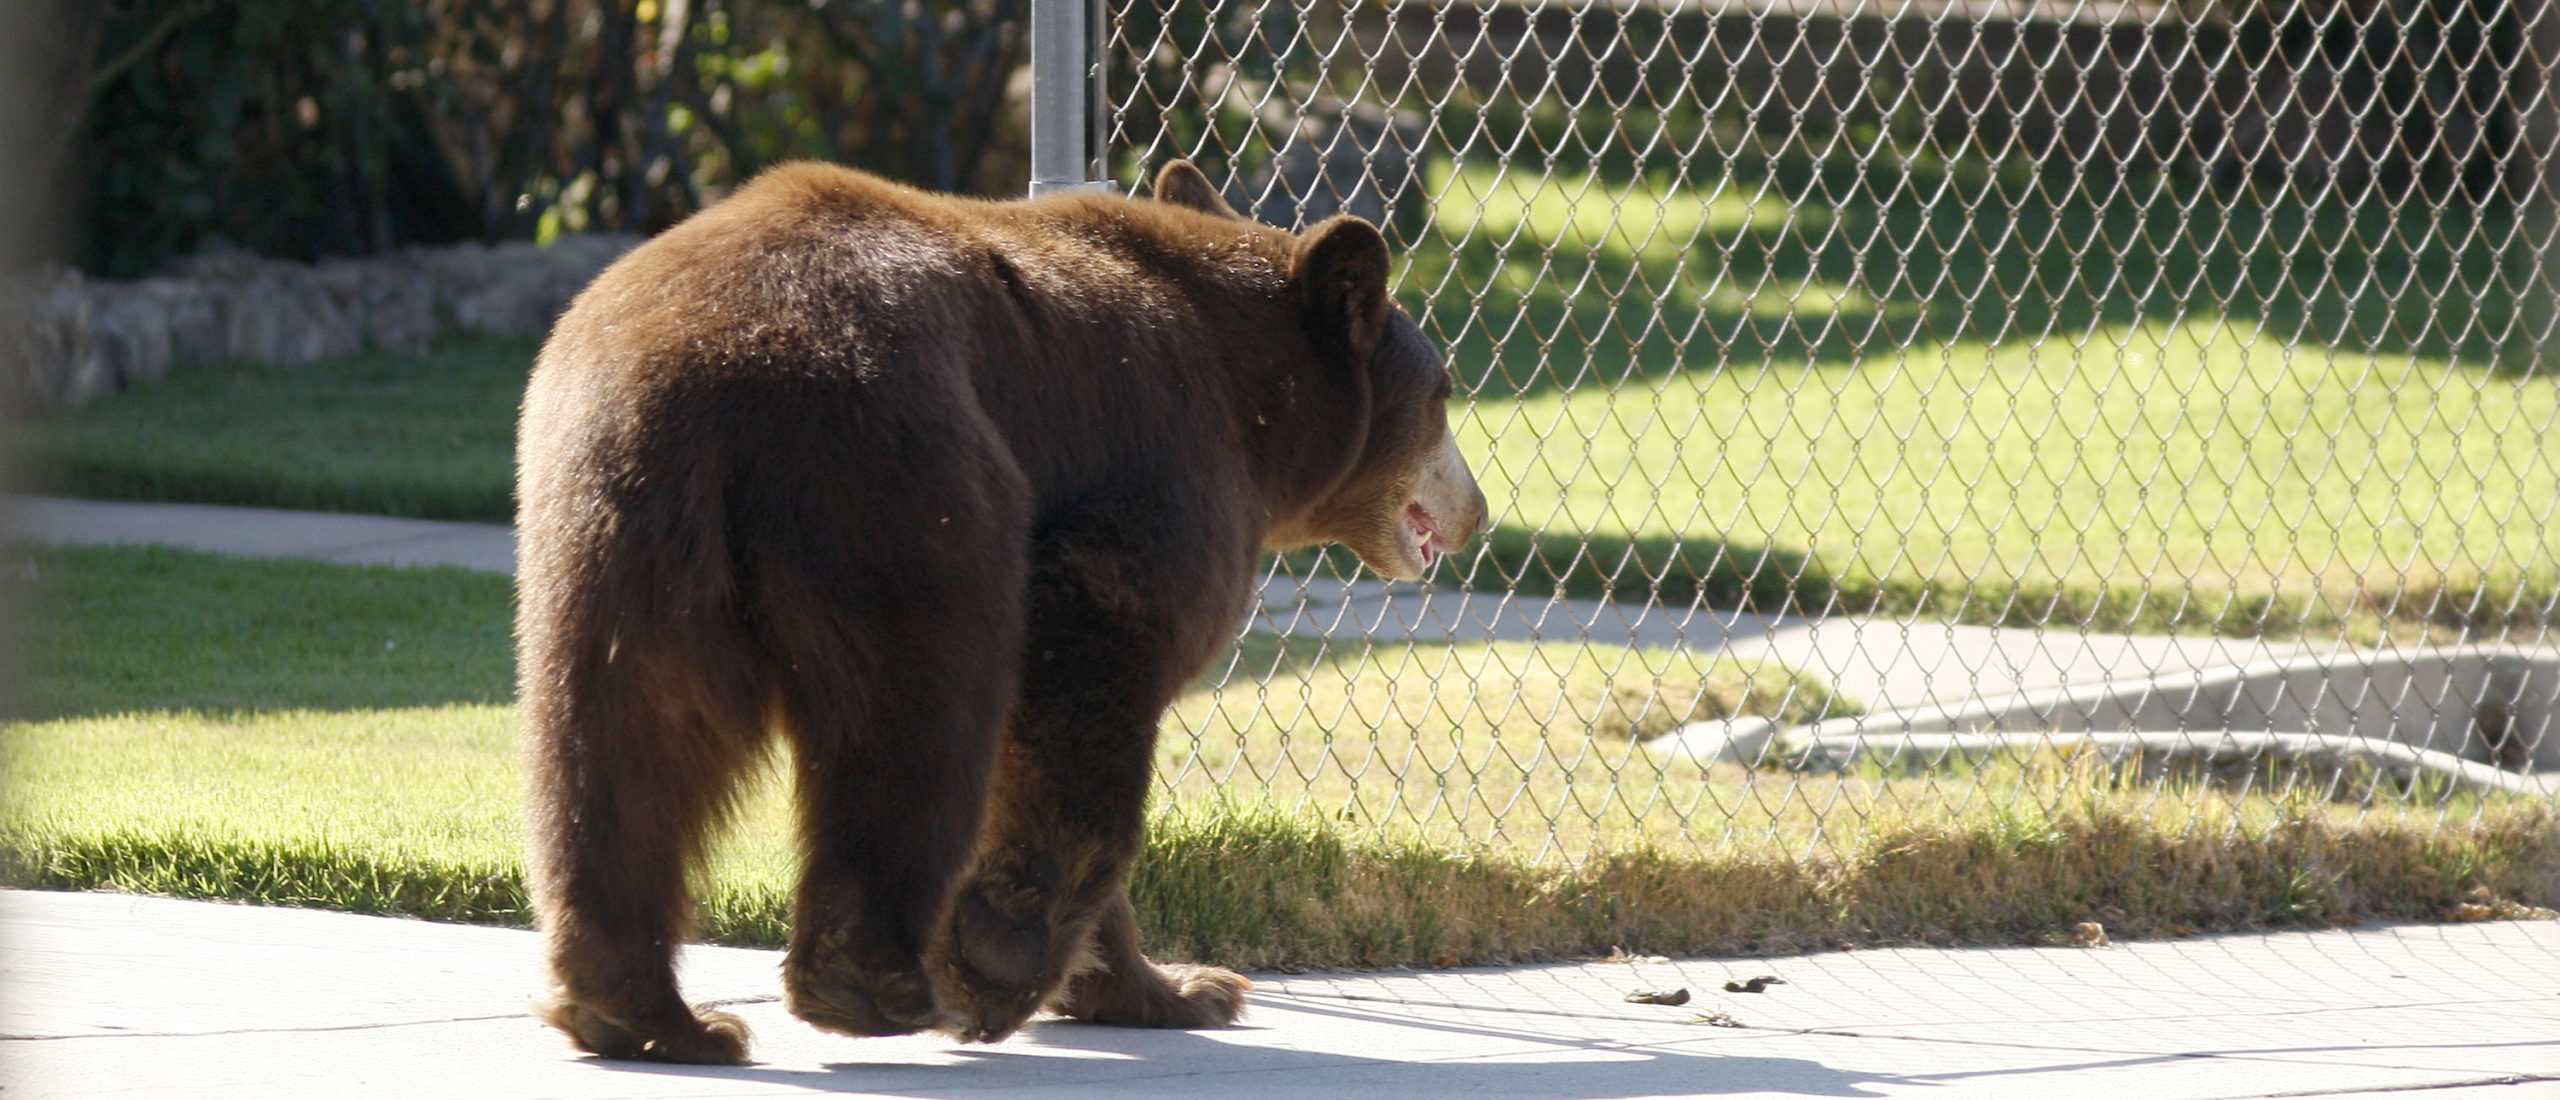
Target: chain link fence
<point>1910,407</point>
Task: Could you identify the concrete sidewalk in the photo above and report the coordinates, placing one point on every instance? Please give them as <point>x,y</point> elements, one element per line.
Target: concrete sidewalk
<point>262,533</point>
<point>108,995</point>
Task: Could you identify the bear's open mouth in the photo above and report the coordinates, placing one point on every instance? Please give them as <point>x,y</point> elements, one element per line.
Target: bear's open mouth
<point>1422,533</point>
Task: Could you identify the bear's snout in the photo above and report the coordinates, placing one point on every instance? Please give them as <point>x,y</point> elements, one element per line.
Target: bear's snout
<point>1446,510</point>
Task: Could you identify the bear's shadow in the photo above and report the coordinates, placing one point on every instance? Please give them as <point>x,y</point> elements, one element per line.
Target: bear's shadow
<point>1087,1059</point>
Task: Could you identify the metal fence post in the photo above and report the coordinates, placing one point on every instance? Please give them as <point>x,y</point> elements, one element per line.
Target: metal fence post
<point>1063,147</point>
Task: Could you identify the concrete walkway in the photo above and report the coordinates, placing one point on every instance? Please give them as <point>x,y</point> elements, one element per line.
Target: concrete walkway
<point>122,996</point>
<point>262,533</point>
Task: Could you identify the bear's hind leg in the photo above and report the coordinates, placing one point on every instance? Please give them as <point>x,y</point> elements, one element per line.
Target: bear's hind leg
<point>624,786</point>
<point>717,1039</point>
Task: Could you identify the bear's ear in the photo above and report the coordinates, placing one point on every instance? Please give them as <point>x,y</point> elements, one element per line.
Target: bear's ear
<point>1341,279</point>
<point>1182,184</point>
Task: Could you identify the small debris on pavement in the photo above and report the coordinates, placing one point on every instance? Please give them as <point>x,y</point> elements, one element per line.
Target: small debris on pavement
<point>1760,984</point>
<point>1658,997</point>
<point>1714,1019</point>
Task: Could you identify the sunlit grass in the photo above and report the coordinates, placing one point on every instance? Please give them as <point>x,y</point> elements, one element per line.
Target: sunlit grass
<point>1651,217</point>
<point>414,811</point>
<point>2202,459</point>
<point>1540,746</point>
<point>1325,804</point>
<point>1924,414</point>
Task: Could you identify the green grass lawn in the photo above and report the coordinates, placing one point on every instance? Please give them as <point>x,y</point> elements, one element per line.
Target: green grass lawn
<point>2150,406</point>
<point>2159,407</point>
<point>252,769</point>
<point>126,630</point>
<point>383,433</point>
<point>2190,476</point>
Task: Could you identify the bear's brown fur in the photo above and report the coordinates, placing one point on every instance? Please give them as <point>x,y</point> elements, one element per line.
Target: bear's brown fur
<point>955,496</point>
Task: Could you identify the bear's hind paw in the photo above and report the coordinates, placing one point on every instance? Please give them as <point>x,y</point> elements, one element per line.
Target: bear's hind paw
<point>1208,996</point>
<point>708,1037</point>
<point>1176,995</point>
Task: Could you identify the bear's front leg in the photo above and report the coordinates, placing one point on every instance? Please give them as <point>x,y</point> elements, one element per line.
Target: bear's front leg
<point>1118,624</point>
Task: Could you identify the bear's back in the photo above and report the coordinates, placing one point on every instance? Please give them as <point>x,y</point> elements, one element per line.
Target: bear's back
<point>1081,327</point>
<point>812,263</point>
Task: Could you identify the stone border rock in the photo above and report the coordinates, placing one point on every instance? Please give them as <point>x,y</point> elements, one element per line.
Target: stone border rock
<point>67,339</point>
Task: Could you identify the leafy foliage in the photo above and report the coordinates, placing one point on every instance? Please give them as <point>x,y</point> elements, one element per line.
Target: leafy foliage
<point>276,125</point>
<point>311,128</point>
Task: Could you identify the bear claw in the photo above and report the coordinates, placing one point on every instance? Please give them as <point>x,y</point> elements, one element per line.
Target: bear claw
<point>715,1038</point>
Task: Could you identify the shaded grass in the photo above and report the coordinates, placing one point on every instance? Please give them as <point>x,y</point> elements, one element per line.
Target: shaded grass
<point>1550,275</point>
<point>383,433</point>
<point>414,810</point>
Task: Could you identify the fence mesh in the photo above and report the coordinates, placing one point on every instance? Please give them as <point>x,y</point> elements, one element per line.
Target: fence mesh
<point>1907,407</point>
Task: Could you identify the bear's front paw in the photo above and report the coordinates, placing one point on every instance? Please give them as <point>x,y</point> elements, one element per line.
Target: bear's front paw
<point>866,1004</point>
<point>1176,995</point>
<point>986,1012</point>
<point>997,969</point>
<point>706,1037</point>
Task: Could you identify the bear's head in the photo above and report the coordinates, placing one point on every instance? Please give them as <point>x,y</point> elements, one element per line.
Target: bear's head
<point>1409,498</point>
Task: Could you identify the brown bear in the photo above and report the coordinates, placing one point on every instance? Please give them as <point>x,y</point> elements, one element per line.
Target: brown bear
<point>954,496</point>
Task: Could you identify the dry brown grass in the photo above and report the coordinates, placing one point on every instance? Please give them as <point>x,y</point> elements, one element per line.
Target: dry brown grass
<point>1274,890</point>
